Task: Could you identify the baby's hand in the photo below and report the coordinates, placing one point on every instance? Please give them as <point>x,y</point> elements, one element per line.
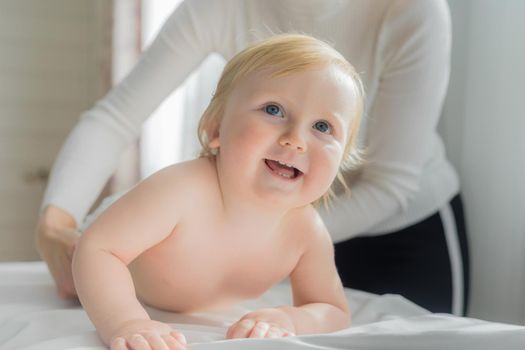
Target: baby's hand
<point>263,323</point>
<point>147,334</point>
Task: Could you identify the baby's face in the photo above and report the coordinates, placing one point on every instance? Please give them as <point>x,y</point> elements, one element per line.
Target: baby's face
<point>282,139</point>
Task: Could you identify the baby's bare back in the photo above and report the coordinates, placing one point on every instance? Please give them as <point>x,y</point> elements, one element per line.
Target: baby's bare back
<point>206,264</point>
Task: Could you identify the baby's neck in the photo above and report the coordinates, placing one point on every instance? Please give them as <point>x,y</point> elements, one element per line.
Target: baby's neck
<point>245,213</point>
<point>251,216</point>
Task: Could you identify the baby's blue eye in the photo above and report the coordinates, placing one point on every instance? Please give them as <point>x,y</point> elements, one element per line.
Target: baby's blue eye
<point>323,127</point>
<point>273,110</point>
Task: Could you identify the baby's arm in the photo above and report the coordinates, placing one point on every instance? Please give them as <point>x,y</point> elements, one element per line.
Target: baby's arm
<point>320,304</point>
<point>139,220</point>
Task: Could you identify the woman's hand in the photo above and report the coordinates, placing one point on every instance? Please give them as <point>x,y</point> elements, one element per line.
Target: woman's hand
<point>147,334</point>
<point>263,323</point>
<point>56,238</point>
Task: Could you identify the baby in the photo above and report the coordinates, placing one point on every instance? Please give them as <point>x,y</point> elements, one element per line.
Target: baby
<point>225,227</point>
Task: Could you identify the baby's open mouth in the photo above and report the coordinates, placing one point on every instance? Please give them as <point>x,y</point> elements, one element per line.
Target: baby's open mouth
<point>282,169</point>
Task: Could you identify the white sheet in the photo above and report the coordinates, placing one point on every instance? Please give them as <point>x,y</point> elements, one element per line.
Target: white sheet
<point>33,317</point>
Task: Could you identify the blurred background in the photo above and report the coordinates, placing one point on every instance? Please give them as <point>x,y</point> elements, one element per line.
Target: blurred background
<point>57,57</point>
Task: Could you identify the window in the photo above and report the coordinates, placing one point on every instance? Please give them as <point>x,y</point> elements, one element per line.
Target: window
<point>170,134</point>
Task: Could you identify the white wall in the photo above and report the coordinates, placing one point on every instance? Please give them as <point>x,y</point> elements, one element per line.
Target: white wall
<point>483,127</point>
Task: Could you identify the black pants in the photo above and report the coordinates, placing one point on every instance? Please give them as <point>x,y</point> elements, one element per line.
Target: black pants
<point>420,262</point>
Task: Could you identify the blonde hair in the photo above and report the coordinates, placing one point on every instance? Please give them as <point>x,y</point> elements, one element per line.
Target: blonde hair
<point>284,54</point>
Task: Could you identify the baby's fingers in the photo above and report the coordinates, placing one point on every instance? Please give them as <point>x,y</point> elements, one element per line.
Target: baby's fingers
<point>260,330</point>
<point>179,337</point>
<point>138,342</point>
<point>241,329</point>
<point>118,344</point>
<point>157,341</point>
<point>275,332</point>
<point>287,333</point>
<point>150,341</point>
<point>173,343</point>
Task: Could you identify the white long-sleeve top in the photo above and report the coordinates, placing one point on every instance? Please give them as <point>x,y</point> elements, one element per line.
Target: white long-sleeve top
<point>401,48</point>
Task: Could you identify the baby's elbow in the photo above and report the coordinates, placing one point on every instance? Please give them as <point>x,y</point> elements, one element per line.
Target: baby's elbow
<point>343,319</point>
<point>84,254</point>
<point>347,319</point>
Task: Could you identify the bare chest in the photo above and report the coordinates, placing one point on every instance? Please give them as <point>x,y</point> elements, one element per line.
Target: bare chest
<point>203,267</point>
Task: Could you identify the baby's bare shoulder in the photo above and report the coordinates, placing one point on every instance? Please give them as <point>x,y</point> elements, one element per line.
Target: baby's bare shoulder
<point>189,175</point>
<point>306,225</point>
<point>182,182</point>
<point>306,219</point>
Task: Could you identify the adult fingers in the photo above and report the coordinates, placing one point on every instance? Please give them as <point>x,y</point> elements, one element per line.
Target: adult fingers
<point>56,246</point>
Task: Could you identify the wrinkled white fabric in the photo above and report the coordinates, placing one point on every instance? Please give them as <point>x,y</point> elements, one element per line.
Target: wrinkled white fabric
<point>33,317</point>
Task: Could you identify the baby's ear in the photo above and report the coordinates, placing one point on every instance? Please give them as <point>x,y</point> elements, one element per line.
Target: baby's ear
<point>214,142</point>
<point>214,138</point>
<point>212,129</point>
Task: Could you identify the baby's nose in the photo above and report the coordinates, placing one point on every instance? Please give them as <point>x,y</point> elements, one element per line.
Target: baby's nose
<point>294,141</point>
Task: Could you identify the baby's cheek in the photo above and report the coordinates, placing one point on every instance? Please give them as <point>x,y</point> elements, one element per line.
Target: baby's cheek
<point>241,147</point>
<point>332,155</point>
<point>327,165</point>
<point>256,132</point>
